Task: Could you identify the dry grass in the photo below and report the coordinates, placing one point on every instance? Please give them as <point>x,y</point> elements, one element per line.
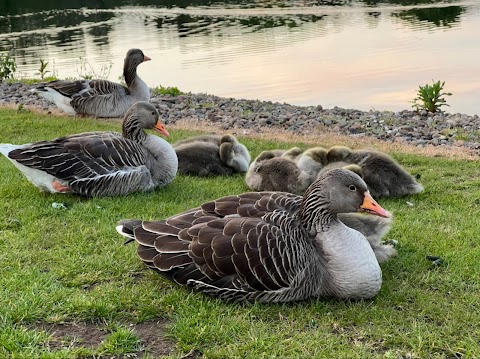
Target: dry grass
<point>318,137</point>
<point>326,138</point>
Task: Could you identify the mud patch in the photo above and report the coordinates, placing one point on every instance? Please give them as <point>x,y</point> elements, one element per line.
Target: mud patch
<point>91,336</point>
<point>152,335</point>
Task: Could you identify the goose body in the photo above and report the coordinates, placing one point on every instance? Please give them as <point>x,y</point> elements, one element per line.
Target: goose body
<point>101,98</point>
<point>101,163</point>
<point>268,246</point>
<point>272,173</point>
<point>212,155</point>
<point>384,176</point>
<point>312,161</point>
<point>291,153</point>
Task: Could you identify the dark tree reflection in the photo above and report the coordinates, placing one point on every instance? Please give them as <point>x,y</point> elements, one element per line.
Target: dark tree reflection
<point>440,16</point>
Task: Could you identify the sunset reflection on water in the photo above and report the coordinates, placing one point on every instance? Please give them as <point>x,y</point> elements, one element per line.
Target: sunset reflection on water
<point>348,56</point>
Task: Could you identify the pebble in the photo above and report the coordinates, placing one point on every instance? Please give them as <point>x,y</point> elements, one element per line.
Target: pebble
<point>407,126</point>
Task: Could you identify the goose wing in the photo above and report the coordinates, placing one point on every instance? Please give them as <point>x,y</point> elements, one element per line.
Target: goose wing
<point>253,204</point>
<point>102,97</point>
<point>102,88</point>
<point>238,258</point>
<point>86,157</point>
<point>65,87</point>
<point>85,88</point>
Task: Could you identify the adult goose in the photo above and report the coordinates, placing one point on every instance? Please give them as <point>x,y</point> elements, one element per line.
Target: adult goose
<point>101,163</point>
<point>268,246</point>
<point>100,98</point>
<point>212,155</point>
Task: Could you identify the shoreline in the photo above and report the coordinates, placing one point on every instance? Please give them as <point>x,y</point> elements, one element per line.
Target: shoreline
<point>421,130</point>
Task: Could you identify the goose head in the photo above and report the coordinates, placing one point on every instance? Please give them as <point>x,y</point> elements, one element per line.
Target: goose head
<point>318,154</point>
<point>338,153</point>
<point>292,153</point>
<point>337,191</point>
<point>142,115</point>
<point>134,58</point>
<point>234,154</point>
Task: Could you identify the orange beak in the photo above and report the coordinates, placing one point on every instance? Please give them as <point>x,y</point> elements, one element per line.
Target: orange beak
<point>160,127</point>
<point>146,58</point>
<point>371,206</point>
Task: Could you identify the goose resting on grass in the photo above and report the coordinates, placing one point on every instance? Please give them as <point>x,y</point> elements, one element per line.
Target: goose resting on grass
<point>268,246</point>
<point>269,172</point>
<point>383,175</point>
<point>211,155</point>
<point>101,163</point>
<point>100,98</point>
<point>312,161</point>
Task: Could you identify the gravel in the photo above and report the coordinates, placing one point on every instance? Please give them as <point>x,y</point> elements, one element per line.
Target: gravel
<point>409,127</point>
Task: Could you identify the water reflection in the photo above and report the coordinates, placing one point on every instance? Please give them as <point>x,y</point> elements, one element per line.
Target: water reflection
<point>35,6</point>
<point>440,17</point>
<point>291,50</point>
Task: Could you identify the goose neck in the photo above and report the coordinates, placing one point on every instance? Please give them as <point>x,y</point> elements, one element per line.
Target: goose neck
<point>133,131</point>
<point>129,73</point>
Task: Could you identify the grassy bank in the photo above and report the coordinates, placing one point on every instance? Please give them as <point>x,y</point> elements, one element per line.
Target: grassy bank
<point>70,288</point>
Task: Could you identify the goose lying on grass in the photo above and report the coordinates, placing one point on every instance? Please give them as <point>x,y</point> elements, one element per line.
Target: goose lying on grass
<point>101,163</point>
<point>312,161</point>
<point>211,155</point>
<point>268,246</point>
<point>101,98</point>
<point>270,172</point>
<point>383,175</point>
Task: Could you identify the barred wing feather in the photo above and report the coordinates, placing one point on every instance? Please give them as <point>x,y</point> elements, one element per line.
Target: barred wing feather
<point>235,257</point>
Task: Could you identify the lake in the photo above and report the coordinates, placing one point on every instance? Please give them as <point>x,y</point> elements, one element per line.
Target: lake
<point>353,54</point>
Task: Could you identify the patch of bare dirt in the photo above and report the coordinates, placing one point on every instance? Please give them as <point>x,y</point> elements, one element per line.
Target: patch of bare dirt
<point>152,334</point>
<point>90,335</point>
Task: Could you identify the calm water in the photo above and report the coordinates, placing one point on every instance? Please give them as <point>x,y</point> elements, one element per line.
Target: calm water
<point>354,54</point>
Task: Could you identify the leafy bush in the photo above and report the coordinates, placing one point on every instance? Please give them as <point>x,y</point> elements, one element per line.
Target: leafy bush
<point>8,66</point>
<point>161,90</point>
<point>430,97</point>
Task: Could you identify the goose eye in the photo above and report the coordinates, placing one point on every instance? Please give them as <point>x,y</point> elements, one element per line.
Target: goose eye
<point>153,113</point>
<point>352,187</point>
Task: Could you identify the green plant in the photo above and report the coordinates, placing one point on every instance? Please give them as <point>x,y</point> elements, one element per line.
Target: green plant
<point>161,90</point>
<point>42,71</point>
<point>430,97</point>
<point>21,108</point>
<point>8,66</point>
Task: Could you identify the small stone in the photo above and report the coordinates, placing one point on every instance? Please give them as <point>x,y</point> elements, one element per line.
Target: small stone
<point>58,205</point>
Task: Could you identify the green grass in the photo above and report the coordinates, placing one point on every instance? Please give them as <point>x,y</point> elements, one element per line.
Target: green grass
<point>70,266</point>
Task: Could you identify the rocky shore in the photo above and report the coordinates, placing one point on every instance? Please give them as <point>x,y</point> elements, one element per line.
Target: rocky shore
<point>409,127</point>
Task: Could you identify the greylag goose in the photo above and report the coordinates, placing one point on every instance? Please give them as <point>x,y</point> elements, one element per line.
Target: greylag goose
<point>211,155</point>
<point>272,173</point>
<point>374,228</point>
<point>312,161</point>
<point>291,153</point>
<point>268,246</point>
<point>341,164</point>
<point>383,175</point>
<point>101,163</point>
<point>99,98</point>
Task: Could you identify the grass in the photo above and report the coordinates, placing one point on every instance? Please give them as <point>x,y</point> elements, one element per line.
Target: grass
<point>69,267</point>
